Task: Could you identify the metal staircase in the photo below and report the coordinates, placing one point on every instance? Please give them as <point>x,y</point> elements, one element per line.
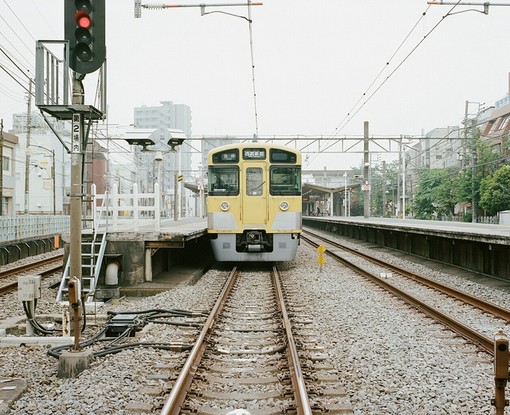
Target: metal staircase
<point>92,253</point>
<point>93,247</point>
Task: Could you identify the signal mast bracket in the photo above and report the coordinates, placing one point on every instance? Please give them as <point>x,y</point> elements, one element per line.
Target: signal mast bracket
<point>52,73</point>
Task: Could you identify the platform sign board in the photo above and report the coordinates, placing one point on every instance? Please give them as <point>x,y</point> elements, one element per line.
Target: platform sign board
<point>76,136</point>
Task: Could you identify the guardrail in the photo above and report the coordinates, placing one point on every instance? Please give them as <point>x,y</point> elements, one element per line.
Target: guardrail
<point>15,228</point>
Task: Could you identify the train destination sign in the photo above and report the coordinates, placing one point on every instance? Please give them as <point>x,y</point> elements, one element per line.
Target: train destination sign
<point>254,154</point>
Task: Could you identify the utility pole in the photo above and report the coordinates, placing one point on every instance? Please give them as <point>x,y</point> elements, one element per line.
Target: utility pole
<point>473,175</point>
<point>366,165</point>
<point>27,152</point>
<point>470,144</point>
<point>1,166</point>
<point>383,188</point>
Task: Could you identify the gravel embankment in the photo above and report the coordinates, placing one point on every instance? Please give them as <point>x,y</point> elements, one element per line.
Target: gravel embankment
<point>392,359</point>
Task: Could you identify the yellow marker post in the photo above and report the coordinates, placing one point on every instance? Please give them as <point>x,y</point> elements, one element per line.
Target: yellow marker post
<point>321,260</point>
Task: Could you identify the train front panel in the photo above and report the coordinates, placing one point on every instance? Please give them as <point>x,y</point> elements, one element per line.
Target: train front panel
<point>254,204</point>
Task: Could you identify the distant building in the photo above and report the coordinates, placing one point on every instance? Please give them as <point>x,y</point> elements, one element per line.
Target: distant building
<point>495,126</point>
<point>8,174</point>
<point>440,148</point>
<point>48,179</point>
<point>168,116</point>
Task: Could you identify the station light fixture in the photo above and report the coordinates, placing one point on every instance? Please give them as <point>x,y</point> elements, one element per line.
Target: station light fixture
<point>174,142</point>
<point>84,27</point>
<point>143,142</point>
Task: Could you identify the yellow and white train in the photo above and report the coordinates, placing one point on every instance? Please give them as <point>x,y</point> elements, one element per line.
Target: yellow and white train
<point>254,202</point>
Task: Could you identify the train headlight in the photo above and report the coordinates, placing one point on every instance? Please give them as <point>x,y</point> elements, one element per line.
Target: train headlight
<point>284,205</point>
<point>224,206</point>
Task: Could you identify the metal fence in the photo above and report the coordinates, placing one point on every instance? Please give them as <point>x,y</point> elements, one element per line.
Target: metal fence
<point>15,228</point>
<point>114,211</point>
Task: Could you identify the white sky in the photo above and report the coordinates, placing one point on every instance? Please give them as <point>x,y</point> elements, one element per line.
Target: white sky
<point>313,61</point>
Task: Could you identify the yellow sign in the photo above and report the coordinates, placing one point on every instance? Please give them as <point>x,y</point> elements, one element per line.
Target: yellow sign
<point>321,260</point>
<point>321,249</point>
<point>180,177</point>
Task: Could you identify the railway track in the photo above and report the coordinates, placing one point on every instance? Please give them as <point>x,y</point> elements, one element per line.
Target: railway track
<point>389,276</point>
<point>246,357</point>
<point>43,267</point>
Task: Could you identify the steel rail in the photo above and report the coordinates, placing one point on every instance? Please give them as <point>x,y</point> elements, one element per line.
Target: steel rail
<point>479,303</point>
<point>178,393</point>
<point>4,289</point>
<point>475,337</point>
<point>9,287</point>
<point>300,393</point>
<point>28,267</point>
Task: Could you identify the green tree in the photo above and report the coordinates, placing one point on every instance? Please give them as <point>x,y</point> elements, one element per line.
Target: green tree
<point>495,191</point>
<point>437,193</point>
<point>482,162</point>
<point>440,190</point>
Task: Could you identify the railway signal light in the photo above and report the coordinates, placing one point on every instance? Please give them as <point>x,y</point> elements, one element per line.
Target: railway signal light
<point>84,27</point>
<point>500,371</point>
<point>501,356</point>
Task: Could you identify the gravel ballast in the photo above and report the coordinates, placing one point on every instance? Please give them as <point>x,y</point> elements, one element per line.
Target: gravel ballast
<point>391,358</point>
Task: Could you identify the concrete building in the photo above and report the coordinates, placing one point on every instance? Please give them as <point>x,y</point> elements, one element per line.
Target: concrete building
<point>168,116</point>
<point>42,170</point>
<point>495,125</point>
<point>8,146</point>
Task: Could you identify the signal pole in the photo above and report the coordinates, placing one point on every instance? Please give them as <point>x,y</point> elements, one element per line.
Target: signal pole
<point>76,188</point>
<point>84,27</point>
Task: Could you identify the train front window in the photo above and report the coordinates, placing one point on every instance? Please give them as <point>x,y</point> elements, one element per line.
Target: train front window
<point>254,181</point>
<point>223,181</point>
<point>285,181</point>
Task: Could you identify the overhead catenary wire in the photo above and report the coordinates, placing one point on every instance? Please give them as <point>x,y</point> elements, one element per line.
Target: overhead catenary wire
<point>385,66</point>
<point>351,115</point>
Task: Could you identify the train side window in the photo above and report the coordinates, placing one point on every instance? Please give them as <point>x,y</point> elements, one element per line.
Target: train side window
<point>223,181</point>
<point>254,181</point>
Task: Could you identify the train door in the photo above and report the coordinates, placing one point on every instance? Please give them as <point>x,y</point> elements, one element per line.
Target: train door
<point>255,195</point>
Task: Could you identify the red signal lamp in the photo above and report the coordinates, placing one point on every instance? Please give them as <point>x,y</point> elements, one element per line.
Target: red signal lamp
<point>83,19</point>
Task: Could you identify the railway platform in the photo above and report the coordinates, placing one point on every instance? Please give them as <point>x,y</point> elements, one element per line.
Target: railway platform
<point>146,258</point>
<point>480,248</point>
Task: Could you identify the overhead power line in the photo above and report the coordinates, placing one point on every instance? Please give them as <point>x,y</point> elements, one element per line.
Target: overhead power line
<point>351,115</point>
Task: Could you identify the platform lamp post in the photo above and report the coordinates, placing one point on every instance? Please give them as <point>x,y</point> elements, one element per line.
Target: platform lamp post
<point>174,143</point>
<point>52,172</point>
<point>158,158</point>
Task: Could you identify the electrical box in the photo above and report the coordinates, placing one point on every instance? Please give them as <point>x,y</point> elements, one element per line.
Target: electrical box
<point>119,323</point>
<point>29,287</point>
